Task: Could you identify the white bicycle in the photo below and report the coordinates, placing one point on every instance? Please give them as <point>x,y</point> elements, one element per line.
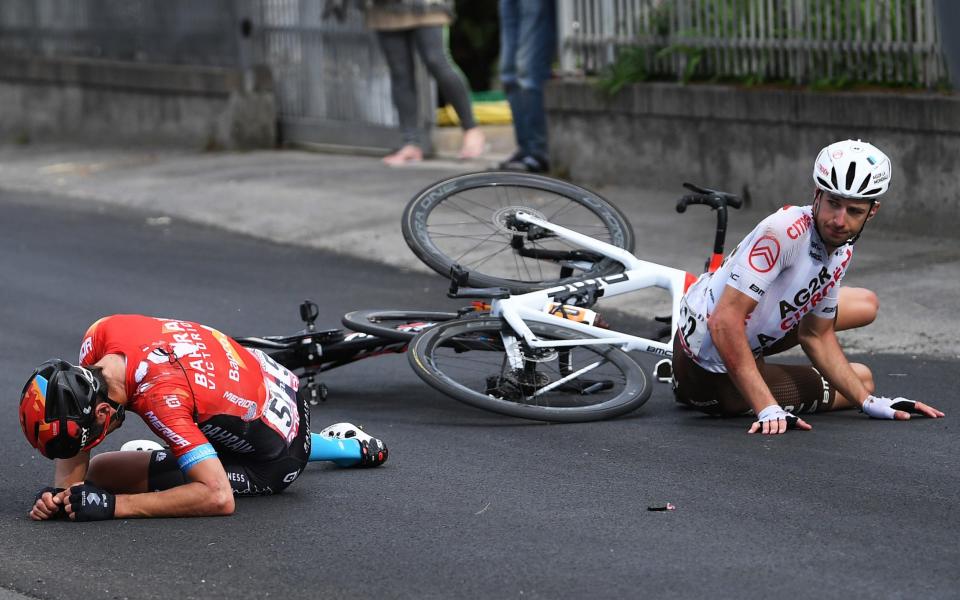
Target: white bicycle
<point>539,353</point>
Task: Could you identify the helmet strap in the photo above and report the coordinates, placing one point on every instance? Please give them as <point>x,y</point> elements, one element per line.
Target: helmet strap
<point>119,410</point>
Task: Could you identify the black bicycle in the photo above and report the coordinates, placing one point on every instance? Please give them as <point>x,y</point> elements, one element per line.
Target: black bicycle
<point>372,333</point>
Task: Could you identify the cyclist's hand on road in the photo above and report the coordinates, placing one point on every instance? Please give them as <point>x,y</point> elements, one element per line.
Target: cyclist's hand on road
<point>48,504</point>
<point>900,409</point>
<point>774,420</point>
<point>87,502</point>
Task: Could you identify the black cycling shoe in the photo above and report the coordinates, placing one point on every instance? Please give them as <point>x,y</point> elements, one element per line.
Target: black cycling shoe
<point>373,453</point>
<point>527,163</point>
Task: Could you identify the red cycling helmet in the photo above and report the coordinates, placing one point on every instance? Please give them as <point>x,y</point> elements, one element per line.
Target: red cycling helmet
<point>57,409</point>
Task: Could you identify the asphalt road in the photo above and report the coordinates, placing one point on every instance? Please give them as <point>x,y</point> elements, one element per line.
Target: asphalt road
<point>471,504</point>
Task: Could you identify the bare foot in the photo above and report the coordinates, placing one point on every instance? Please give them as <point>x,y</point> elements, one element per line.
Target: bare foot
<point>405,155</point>
<point>474,143</point>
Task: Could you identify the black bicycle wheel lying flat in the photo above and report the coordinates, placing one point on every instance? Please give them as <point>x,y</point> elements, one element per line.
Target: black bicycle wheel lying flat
<point>399,325</point>
<point>468,220</point>
<point>466,360</point>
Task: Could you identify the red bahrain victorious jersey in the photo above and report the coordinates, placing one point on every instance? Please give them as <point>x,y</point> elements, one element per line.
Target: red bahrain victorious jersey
<point>198,389</point>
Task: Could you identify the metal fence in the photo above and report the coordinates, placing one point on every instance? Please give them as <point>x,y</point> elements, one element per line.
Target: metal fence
<point>803,41</point>
<point>332,82</point>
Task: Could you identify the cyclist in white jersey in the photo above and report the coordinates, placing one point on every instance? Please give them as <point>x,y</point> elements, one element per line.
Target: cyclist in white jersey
<point>781,286</point>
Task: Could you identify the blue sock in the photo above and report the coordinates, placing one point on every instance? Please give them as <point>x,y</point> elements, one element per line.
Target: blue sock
<point>343,453</point>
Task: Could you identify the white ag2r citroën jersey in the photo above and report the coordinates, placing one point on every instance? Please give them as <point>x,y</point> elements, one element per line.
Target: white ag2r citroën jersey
<point>784,266</point>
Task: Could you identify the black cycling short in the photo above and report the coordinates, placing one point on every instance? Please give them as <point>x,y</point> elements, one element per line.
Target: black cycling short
<point>248,477</point>
<point>797,388</point>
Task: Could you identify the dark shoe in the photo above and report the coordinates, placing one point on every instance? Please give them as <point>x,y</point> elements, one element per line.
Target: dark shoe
<point>516,156</point>
<point>527,164</point>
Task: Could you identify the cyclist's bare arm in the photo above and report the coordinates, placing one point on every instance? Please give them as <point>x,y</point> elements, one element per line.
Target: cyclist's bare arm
<point>65,471</point>
<point>819,341</point>
<point>729,334</point>
<point>207,494</point>
<point>68,470</point>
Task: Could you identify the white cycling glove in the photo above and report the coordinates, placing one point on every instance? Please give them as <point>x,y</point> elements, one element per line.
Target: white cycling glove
<point>775,413</point>
<point>880,407</point>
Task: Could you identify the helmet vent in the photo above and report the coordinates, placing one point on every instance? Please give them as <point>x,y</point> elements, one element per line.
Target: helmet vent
<point>833,178</point>
<point>851,175</point>
<point>863,185</point>
<point>823,182</point>
<point>872,192</point>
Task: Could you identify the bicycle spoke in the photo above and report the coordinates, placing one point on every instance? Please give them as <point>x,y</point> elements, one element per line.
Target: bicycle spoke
<point>569,377</point>
<point>486,258</point>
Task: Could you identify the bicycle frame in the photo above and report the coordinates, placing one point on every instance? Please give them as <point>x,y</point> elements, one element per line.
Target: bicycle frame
<point>639,274</point>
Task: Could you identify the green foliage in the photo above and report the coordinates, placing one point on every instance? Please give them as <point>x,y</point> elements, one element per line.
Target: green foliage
<point>829,63</point>
<point>630,67</point>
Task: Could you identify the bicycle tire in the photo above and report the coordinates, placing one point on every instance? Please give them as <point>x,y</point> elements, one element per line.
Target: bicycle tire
<point>465,360</point>
<point>399,325</point>
<point>463,220</point>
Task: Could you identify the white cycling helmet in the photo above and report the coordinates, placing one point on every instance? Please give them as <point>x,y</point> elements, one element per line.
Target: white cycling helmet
<point>852,169</point>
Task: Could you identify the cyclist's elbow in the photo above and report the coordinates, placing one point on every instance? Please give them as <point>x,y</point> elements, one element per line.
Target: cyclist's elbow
<point>218,500</point>
<point>722,324</point>
<point>221,503</point>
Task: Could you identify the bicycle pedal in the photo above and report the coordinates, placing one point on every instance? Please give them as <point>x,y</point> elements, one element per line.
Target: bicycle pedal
<point>663,371</point>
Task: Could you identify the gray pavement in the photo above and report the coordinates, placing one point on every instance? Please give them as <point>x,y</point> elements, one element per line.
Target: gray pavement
<point>352,205</point>
<point>471,504</point>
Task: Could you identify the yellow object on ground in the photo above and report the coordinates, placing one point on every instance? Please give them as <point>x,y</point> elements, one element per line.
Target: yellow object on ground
<point>486,113</point>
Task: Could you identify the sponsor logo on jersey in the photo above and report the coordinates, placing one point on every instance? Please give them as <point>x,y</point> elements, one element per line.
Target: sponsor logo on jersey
<point>756,289</point>
<point>249,405</point>
<point>799,227</point>
<point>226,439</point>
<point>172,436</point>
<point>85,348</point>
<point>764,254</point>
<point>809,297</point>
<point>141,371</point>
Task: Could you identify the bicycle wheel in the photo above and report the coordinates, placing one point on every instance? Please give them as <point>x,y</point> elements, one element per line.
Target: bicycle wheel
<point>400,325</point>
<point>467,220</point>
<point>466,360</point>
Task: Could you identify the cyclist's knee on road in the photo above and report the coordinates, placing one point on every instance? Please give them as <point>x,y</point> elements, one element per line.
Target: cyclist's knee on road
<point>865,375</point>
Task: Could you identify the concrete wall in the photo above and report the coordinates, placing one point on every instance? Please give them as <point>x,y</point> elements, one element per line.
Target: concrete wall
<point>764,140</point>
<point>124,102</point>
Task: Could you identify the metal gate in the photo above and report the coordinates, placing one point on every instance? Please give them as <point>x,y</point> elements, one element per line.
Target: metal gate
<point>331,80</point>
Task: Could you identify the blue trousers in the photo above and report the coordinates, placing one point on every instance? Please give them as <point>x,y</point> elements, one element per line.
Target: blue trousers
<point>528,41</point>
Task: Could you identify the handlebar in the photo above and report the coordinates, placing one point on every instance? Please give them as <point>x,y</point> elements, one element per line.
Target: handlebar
<point>718,201</point>
<point>713,198</point>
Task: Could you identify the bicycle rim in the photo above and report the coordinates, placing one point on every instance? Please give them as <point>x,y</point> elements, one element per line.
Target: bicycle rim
<point>467,361</point>
<point>399,325</point>
<point>465,220</point>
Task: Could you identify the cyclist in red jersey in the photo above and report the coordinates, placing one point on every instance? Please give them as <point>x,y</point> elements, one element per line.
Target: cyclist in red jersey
<point>231,418</point>
<point>781,287</point>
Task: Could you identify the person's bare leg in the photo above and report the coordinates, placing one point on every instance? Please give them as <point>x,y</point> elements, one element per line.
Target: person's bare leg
<point>407,154</point>
<point>866,376</point>
<point>474,143</point>
<point>857,308</point>
<point>120,472</point>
